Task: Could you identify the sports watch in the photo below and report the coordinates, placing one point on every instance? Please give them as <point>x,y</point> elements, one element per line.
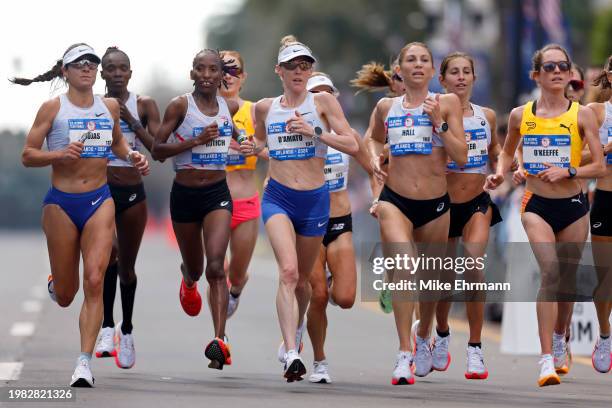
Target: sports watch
<point>572,172</point>
<point>317,132</point>
<point>442,128</point>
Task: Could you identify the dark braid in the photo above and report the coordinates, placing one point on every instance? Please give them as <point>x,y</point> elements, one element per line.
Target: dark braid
<point>112,50</point>
<point>227,67</point>
<point>53,73</point>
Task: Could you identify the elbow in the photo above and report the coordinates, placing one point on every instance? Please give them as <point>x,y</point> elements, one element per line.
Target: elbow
<point>155,154</point>
<point>25,159</point>
<point>601,170</point>
<point>461,159</point>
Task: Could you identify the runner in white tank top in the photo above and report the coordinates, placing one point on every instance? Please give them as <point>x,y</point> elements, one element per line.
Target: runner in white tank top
<point>81,130</point>
<point>601,224</point>
<point>297,127</point>
<point>334,276</point>
<point>139,119</point>
<point>472,212</point>
<point>422,130</point>
<point>200,126</point>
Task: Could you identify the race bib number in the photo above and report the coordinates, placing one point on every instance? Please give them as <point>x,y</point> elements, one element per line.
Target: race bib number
<point>129,136</point>
<point>95,134</point>
<point>478,156</point>
<point>215,151</point>
<point>336,172</point>
<point>540,149</point>
<point>609,158</point>
<point>411,134</point>
<point>284,145</point>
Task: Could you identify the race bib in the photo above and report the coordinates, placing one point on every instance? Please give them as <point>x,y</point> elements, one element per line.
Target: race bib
<point>215,151</point>
<point>411,134</point>
<point>287,146</point>
<point>128,135</point>
<point>609,158</point>
<point>540,149</point>
<point>95,134</point>
<point>336,172</point>
<point>478,156</point>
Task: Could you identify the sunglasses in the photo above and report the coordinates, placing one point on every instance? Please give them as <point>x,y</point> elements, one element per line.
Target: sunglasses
<point>576,84</point>
<point>328,91</point>
<point>234,71</point>
<point>80,64</point>
<point>292,65</point>
<point>563,66</point>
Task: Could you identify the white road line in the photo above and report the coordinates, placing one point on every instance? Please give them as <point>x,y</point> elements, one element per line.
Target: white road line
<point>10,371</point>
<point>31,306</point>
<point>22,329</point>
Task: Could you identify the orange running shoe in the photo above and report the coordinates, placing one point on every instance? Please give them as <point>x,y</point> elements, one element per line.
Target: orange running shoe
<point>218,352</point>
<point>190,299</point>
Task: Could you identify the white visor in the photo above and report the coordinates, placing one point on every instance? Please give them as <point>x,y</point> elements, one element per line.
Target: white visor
<point>294,51</point>
<point>320,80</point>
<point>78,52</point>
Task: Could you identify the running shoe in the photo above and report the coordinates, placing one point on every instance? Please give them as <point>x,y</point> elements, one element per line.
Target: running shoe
<point>548,375</point>
<point>298,340</point>
<point>218,352</point>
<point>82,376</point>
<point>476,369</point>
<point>601,358</point>
<point>50,288</point>
<point>402,374</point>
<point>441,357</point>
<point>385,301</point>
<point>294,367</point>
<point>106,344</point>
<point>125,355</point>
<point>232,304</point>
<point>560,355</point>
<point>320,373</point>
<point>190,298</point>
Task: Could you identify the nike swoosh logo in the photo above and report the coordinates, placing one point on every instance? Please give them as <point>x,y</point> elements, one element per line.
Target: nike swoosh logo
<point>99,114</point>
<point>96,202</point>
<point>305,113</point>
<point>224,203</point>
<point>320,225</point>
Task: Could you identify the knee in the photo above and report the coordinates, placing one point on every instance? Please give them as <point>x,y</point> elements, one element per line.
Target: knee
<point>127,276</point>
<point>65,298</point>
<point>93,281</point>
<point>289,276</point>
<point>239,281</point>
<point>214,269</point>
<point>319,297</point>
<point>344,301</point>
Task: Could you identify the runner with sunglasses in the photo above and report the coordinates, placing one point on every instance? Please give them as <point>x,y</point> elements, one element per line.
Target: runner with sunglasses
<point>552,131</point>
<point>601,224</point>
<point>472,212</point>
<point>334,276</point>
<point>423,129</point>
<point>241,182</point>
<point>139,119</point>
<point>297,127</point>
<point>201,126</point>
<point>81,130</point>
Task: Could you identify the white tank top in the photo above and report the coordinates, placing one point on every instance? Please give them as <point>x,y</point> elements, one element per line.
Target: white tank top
<point>605,131</point>
<point>93,126</point>
<point>213,155</point>
<point>336,170</point>
<point>410,131</point>
<point>478,138</point>
<point>130,137</point>
<point>283,145</point>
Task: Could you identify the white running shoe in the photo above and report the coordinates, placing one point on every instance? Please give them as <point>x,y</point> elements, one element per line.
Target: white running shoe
<point>106,343</point>
<point>601,357</point>
<point>320,373</point>
<point>548,375</point>
<point>476,369</point>
<point>423,360</point>
<point>232,304</point>
<point>294,366</point>
<point>440,355</point>
<point>82,376</point>
<point>560,354</point>
<point>402,374</point>
<point>125,355</point>
<point>298,341</point>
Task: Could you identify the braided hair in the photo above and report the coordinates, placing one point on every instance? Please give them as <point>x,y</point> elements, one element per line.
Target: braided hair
<point>54,73</point>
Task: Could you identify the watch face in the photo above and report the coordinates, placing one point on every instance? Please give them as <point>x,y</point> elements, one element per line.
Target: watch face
<point>444,127</point>
<point>318,131</point>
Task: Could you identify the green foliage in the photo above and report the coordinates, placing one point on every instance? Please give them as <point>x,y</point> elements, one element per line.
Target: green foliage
<point>601,37</point>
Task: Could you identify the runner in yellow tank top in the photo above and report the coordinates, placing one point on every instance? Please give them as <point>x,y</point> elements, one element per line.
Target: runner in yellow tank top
<point>241,182</point>
<point>552,131</point>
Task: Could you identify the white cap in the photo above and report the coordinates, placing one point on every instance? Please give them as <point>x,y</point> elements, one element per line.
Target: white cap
<point>77,52</point>
<point>293,51</point>
<point>321,80</point>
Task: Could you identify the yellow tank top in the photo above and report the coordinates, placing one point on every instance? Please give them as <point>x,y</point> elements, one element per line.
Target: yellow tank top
<point>244,124</point>
<point>555,141</point>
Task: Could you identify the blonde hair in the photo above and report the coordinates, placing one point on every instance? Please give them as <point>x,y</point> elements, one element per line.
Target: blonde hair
<point>406,47</point>
<point>372,77</point>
